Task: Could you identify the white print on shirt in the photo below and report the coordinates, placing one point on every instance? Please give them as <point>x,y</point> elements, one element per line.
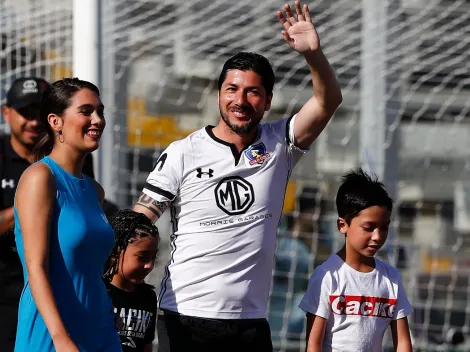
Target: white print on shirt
<point>135,322</point>
<point>8,183</point>
<point>131,343</point>
<point>363,305</point>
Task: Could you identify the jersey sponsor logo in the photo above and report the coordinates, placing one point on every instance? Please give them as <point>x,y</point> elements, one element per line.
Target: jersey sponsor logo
<point>363,305</point>
<point>234,220</point>
<point>257,154</point>
<point>234,195</point>
<point>209,173</point>
<point>8,183</point>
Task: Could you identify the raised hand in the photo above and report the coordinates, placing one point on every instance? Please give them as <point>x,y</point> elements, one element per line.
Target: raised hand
<point>299,32</point>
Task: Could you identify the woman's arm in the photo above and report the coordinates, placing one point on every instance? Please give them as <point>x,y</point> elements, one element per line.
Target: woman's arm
<point>35,197</point>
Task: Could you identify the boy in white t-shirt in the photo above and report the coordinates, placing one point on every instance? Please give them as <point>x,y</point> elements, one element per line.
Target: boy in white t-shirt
<point>352,297</point>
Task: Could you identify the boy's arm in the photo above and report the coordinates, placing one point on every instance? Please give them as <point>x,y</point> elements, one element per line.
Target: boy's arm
<point>317,306</point>
<point>401,335</point>
<point>315,332</point>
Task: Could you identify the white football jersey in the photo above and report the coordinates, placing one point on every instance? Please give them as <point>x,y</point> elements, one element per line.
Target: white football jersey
<point>225,209</point>
<point>359,306</point>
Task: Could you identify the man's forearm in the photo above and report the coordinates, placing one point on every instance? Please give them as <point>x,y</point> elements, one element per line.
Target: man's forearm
<point>7,220</point>
<point>150,207</point>
<point>327,91</point>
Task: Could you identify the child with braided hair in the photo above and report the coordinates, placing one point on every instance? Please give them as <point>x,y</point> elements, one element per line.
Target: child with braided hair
<point>131,260</point>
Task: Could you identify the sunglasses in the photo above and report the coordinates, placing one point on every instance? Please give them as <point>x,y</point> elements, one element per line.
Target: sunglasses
<point>30,112</point>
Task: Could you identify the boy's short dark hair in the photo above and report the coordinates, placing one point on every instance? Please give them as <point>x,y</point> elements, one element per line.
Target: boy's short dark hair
<point>360,191</point>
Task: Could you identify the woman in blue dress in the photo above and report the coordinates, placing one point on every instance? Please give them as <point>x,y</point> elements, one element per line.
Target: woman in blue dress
<point>62,234</point>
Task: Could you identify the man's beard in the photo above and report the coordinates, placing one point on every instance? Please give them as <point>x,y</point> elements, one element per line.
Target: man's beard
<point>244,129</point>
<point>24,142</point>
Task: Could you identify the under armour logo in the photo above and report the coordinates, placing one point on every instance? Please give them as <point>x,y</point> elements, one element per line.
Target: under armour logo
<point>209,173</point>
<point>10,183</point>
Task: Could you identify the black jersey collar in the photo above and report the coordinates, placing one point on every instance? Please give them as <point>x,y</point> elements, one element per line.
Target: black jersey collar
<point>236,155</point>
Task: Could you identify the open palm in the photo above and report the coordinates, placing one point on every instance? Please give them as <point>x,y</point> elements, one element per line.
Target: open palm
<point>299,32</point>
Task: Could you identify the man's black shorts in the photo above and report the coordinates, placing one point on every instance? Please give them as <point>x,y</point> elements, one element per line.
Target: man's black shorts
<point>182,333</point>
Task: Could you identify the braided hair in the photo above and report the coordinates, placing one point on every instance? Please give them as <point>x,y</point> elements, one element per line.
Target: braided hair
<point>128,226</point>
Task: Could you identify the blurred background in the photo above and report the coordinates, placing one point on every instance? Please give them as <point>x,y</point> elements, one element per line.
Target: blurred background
<point>404,70</point>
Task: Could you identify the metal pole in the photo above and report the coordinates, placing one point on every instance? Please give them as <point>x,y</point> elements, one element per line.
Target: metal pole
<point>86,51</point>
<point>461,207</point>
<point>379,131</point>
<point>85,40</point>
<point>115,53</point>
<point>373,71</point>
<point>106,21</point>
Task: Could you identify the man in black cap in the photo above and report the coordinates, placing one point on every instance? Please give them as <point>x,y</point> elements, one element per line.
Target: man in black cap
<point>21,112</point>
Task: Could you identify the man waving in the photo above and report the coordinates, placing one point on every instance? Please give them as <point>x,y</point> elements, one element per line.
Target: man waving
<point>225,187</point>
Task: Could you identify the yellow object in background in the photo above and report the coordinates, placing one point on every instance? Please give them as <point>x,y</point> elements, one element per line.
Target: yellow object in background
<point>289,200</point>
<point>433,263</point>
<point>145,131</point>
<point>59,69</point>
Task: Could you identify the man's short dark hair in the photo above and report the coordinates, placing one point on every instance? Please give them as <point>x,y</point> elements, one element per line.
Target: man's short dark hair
<point>360,191</point>
<point>250,62</point>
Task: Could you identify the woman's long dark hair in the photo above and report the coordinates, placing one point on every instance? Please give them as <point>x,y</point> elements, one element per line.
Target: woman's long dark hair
<point>56,100</point>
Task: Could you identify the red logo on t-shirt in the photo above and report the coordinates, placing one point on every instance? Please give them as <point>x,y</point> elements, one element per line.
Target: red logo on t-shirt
<point>363,305</point>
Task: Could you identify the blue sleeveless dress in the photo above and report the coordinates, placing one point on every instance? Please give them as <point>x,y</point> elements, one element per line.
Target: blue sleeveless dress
<point>80,241</point>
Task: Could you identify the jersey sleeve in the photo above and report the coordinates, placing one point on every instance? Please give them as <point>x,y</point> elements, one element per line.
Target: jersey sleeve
<point>284,129</point>
<point>317,298</point>
<point>164,181</point>
<point>403,307</point>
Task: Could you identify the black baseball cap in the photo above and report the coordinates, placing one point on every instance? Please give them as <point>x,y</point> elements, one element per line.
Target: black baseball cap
<point>26,91</point>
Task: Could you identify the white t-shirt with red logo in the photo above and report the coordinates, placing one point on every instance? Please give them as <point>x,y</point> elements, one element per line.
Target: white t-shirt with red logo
<point>359,306</point>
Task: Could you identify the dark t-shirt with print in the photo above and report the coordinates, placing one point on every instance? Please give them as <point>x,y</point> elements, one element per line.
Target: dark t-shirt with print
<point>136,313</point>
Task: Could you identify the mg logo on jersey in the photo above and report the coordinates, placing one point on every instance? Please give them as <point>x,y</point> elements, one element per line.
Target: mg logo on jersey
<point>234,195</point>
<point>257,154</point>
<point>363,305</point>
